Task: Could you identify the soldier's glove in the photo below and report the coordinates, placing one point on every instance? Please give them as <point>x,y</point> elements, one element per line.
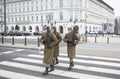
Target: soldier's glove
<point>68,41</point>
<point>48,46</point>
<point>44,42</point>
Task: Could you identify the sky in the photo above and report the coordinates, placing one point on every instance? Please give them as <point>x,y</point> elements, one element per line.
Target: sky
<point>115,4</point>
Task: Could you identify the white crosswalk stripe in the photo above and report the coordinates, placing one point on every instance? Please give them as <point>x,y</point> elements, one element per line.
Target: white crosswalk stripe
<point>9,52</point>
<point>36,59</point>
<point>84,61</point>
<point>9,74</point>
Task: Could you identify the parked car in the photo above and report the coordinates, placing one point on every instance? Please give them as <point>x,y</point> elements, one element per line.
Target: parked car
<point>26,33</point>
<point>15,33</point>
<point>37,33</point>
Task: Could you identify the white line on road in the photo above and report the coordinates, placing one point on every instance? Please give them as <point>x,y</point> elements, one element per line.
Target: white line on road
<point>83,61</point>
<point>8,52</point>
<point>18,50</point>
<point>56,72</point>
<point>88,68</point>
<point>86,56</point>
<point>14,75</point>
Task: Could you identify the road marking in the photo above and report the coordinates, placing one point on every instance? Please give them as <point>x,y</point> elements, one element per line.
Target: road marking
<point>86,56</point>
<point>83,61</point>
<point>14,75</point>
<point>8,52</point>
<point>88,68</point>
<point>18,50</point>
<point>56,72</point>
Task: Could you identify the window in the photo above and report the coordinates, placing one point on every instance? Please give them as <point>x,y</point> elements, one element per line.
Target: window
<point>28,18</point>
<point>19,18</point>
<point>41,7</point>
<point>19,9</point>
<point>46,7</point>
<point>32,8</point>
<point>61,15</point>
<point>16,19</point>
<point>36,18</point>
<point>51,6</point>
<point>71,16</point>
<point>30,28</point>
<point>8,19</point>
<point>23,4</point>
<point>46,17</point>
<point>90,29</point>
<point>32,18</point>
<point>61,3</point>
<point>19,4</point>
<point>37,8</point>
<point>76,15</point>
<point>80,26</point>
<point>41,18</point>
<point>23,9</point>
<point>23,18</point>
<point>71,3</point>
<point>28,9</point>
<point>46,1</point>
<point>12,19</point>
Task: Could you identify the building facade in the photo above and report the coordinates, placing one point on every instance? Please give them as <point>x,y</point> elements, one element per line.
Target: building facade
<point>117,25</point>
<point>33,15</point>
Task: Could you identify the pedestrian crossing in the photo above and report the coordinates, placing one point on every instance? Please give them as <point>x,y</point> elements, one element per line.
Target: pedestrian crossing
<point>86,67</point>
<point>9,52</point>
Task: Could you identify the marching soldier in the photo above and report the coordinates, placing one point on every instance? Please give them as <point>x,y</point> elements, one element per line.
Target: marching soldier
<point>71,39</point>
<point>56,49</point>
<point>49,40</point>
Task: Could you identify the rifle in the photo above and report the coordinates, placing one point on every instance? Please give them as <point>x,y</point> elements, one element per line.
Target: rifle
<point>47,41</point>
<point>72,40</point>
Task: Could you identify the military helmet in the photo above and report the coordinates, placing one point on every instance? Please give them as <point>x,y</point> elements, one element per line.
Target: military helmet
<point>69,28</point>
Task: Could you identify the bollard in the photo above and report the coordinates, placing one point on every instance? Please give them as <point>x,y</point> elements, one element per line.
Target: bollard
<point>38,42</point>
<point>86,38</point>
<point>95,39</point>
<point>12,40</point>
<point>2,40</point>
<point>108,40</point>
<point>25,41</point>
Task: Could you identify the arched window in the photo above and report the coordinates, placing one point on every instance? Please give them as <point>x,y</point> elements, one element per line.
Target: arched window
<point>37,29</point>
<point>30,28</point>
<point>24,28</point>
<point>17,27</point>
<point>61,15</point>
<point>76,28</point>
<point>61,29</point>
<point>12,28</point>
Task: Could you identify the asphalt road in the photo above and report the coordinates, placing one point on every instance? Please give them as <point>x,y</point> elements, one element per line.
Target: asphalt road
<point>27,64</point>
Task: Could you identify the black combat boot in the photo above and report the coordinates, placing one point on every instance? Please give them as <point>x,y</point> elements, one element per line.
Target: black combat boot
<point>71,65</point>
<point>46,71</point>
<point>51,68</point>
<point>57,62</point>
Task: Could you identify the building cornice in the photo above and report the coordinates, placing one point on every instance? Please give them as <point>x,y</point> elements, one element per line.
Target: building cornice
<point>104,3</point>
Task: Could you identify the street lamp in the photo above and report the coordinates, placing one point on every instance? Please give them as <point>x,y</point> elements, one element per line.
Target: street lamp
<point>86,20</point>
<point>5,16</point>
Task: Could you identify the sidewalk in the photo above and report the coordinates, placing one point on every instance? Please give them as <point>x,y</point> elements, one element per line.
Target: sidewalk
<point>93,49</point>
<point>33,47</point>
<point>89,49</point>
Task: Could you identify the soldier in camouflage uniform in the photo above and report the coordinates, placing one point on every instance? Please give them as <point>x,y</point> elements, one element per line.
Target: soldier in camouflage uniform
<point>71,39</point>
<point>56,49</point>
<point>49,40</point>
